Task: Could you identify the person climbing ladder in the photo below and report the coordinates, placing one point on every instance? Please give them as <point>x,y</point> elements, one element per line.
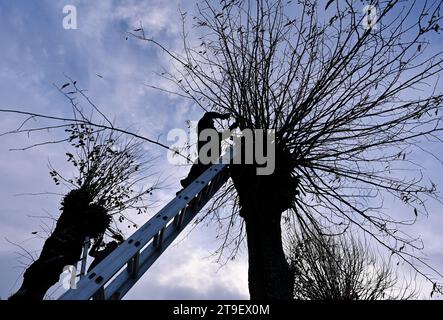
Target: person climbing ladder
<point>206,122</point>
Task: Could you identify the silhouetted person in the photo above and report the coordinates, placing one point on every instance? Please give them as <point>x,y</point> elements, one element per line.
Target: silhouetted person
<point>206,122</point>
<point>100,255</point>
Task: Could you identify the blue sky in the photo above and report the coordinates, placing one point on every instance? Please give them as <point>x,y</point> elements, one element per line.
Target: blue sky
<point>37,52</point>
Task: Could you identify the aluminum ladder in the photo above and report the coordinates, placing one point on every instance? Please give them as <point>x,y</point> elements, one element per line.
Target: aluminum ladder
<point>113,277</point>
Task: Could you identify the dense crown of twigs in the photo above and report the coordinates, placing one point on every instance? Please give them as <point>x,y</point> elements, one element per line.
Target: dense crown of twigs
<point>109,163</point>
<point>339,267</point>
<point>350,100</point>
<point>111,170</point>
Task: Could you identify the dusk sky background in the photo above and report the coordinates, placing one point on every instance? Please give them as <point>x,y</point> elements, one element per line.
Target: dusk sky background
<point>36,52</point>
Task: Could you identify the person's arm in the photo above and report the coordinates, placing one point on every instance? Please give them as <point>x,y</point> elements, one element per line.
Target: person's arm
<point>233,126</point>
<point>95,248</point>
<point>217,115</point>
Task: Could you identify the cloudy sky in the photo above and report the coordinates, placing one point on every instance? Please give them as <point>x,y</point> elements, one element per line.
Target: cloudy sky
<point>38,52</point>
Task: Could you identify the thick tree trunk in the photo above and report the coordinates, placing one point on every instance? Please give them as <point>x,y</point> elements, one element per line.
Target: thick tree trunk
<point>79,219</point>
<point>263,199</point>
<point>269,274</point>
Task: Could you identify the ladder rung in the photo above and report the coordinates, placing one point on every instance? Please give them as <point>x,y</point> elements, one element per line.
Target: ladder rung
<point>158,239</point>
<point>178,219</point>
<point>84,259</point>
<point>200,196</point>
<point>210,188</point>
<point>133,265</point>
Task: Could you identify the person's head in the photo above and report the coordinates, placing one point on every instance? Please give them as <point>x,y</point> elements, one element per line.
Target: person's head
<point>207,120</point>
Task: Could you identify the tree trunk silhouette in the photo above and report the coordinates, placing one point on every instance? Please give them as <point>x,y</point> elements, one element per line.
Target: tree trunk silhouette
<point>79,218</point>
<point>263,199</point>
<point>269,274</point>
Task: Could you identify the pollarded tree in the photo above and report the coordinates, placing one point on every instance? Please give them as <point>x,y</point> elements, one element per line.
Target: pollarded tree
<point>340,267</point>
<point>100,197</point>
<point>350,91</point>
